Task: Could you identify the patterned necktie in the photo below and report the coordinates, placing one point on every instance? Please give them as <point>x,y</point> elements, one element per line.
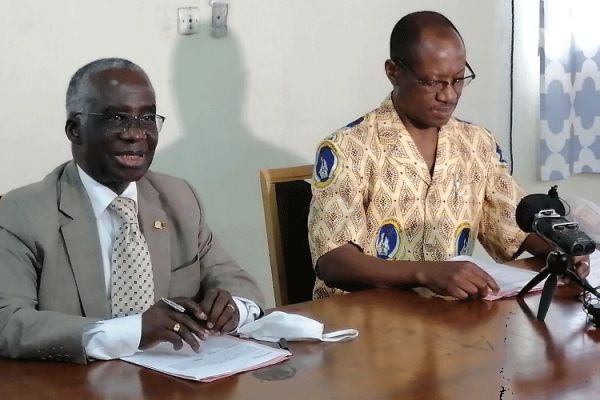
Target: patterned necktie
<point>132,287</point>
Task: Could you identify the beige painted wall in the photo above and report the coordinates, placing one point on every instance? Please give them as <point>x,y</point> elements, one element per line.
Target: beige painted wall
<point>289,73</point>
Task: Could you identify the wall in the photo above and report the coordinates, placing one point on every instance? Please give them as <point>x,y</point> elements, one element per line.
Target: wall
<point>288,74</point>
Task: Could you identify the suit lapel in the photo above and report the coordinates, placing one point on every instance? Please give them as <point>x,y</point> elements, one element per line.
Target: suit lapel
<point>80,235</point>
<point>153,222</point>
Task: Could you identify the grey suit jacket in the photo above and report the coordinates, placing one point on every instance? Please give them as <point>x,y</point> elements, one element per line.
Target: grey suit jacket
<point>51,275</point>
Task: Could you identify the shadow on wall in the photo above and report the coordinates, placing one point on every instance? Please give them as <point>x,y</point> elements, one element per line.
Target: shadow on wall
<point>217,153</point>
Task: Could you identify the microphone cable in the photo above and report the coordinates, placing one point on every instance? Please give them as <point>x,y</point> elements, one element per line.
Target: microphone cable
<point>591,306</point>
<point>553,192</point>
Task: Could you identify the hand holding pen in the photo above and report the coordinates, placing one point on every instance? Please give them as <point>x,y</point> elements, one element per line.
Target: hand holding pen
<point>222,315</point>
<point>166,322</point>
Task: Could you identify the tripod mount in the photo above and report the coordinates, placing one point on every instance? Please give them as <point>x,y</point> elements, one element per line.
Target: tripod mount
<point>557,265</point>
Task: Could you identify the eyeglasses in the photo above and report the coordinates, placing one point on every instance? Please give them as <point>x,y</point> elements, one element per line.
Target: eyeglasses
<point>151,124</point>
<point>435,85</point>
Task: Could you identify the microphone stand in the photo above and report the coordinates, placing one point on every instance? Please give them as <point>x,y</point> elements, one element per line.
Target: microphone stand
<point>557,264</point>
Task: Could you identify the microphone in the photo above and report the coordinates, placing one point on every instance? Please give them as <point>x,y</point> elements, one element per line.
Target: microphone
<point>532,204</point>
<point>544,215</point>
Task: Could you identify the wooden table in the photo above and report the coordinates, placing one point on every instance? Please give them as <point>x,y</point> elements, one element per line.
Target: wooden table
<point>408,348</point>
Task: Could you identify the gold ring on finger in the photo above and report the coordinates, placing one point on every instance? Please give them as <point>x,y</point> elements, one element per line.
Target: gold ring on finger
<point>231,306</point>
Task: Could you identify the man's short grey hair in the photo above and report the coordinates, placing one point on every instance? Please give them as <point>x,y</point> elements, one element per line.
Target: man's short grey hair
<point>80,88</point>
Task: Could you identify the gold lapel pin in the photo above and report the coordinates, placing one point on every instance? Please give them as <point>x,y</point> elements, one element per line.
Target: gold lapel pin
<point>160,225</point>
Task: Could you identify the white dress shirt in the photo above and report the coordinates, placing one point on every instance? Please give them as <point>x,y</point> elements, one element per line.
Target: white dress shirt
<point>120,337</point>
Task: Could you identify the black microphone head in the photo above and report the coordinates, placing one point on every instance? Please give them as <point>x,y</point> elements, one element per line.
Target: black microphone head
<point>532,204</point>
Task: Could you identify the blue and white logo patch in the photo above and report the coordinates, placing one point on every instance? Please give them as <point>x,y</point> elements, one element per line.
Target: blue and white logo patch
<point>388,240</point>
<point>500,155</point>
<point>325,165</point>
<point>463,240</point>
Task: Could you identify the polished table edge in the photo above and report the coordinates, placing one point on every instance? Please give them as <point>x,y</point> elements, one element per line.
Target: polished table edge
<point>437,312</point>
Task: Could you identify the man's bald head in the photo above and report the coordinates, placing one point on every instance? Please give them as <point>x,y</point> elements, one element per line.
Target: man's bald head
<point>412,28</point>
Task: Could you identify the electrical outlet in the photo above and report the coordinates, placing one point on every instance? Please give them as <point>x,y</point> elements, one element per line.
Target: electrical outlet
<point>188,20</point>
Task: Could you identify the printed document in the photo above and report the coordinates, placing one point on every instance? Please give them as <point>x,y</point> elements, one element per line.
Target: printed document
<point>220,356</point>
<point>510,279</point>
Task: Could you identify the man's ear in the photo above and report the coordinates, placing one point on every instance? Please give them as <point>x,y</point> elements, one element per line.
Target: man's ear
<point>391,70</point>
<point>72,127</point>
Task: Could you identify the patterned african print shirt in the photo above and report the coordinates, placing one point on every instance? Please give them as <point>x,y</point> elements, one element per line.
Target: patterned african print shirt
<point>372,187</point>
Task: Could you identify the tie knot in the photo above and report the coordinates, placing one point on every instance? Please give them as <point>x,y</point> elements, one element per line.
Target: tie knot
<point>125,208</point>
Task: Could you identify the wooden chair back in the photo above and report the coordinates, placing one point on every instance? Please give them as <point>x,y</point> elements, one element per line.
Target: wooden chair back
<point>286,195</point>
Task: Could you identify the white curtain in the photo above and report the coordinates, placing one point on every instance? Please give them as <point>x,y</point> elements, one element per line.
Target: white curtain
<point>569,88</point>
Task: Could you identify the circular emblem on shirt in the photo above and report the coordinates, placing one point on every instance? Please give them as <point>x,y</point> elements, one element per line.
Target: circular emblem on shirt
<point>387,243</point>
<point>463,240</point>
<point>325,165</point>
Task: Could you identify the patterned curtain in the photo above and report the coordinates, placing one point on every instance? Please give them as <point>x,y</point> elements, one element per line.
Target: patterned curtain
<point>569,88</point>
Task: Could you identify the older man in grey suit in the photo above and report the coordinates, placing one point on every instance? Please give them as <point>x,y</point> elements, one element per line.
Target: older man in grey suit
<point>87,253</point>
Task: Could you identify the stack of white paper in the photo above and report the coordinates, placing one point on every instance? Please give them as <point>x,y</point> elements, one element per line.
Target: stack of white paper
<point>220,356</point>
<point>510,279</point>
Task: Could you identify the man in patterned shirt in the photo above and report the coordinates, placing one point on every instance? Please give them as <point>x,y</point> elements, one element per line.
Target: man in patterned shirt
<point>403,189</point>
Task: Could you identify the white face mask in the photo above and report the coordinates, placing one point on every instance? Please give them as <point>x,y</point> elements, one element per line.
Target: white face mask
<point>279,325</point>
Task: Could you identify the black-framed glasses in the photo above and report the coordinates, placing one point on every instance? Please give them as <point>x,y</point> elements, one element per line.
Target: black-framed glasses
<point>150,123</point>
<point>437,85</point>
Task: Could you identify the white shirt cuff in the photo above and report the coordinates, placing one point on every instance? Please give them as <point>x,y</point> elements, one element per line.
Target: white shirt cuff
<point>247,309</point>
<point>120,337</point>
<point>113,338</point>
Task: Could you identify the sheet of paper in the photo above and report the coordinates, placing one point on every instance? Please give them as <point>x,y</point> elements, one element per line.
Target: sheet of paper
<point>594,276</point>
<point>220,356</point>
<point>510,279</point>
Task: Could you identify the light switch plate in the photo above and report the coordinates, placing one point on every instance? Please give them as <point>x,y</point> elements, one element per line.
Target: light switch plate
<point>188,20</point>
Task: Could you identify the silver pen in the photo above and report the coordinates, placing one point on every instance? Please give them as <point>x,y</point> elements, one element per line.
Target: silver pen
<point>173,305</point>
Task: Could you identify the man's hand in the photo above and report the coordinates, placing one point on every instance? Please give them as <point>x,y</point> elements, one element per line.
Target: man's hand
<point>221,311</point>
<point>581,265</point>
<point>460,279</point>
<point>161,323</point>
